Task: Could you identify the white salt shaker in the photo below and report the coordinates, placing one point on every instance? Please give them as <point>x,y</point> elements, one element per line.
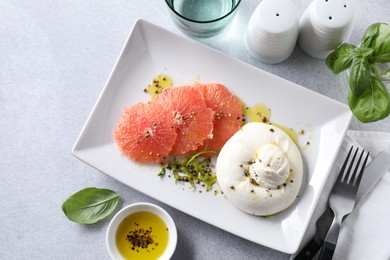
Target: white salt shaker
<point>273,31</point>
<point>324,25</point>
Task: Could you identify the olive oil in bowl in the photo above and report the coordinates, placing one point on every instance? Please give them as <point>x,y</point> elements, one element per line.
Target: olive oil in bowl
<point>142,235</point>
<point>141,231</point>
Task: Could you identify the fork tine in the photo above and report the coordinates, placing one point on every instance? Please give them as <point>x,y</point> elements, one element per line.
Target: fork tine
<point>352,177</point>
<point>342,170</point>
<point>347,176</point>
<point>359,177</point>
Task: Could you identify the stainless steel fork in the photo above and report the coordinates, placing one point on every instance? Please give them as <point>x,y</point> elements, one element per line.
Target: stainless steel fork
<point>342,199</point>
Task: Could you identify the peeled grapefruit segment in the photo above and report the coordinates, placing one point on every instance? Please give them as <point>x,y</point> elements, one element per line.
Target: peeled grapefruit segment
<point>228,114</point>
<point>144,134</point>
<point>193,119</point>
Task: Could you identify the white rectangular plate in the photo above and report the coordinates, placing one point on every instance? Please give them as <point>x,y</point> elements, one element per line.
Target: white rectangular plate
<point>150,51</point>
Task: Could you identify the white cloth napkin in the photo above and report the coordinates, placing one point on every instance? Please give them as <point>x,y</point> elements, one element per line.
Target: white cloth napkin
<point>366,232</point>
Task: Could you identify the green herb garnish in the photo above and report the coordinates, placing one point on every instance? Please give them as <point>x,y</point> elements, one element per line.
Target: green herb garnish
<point>90,205</point>
<point>162,172</point>
<point>368,97</point>
<point>194,169</point>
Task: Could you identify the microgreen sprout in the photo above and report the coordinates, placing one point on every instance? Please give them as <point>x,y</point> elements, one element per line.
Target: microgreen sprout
<point>194,169</point>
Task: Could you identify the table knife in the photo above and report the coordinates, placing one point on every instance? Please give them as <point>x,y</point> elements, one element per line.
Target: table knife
<point>373,173</point>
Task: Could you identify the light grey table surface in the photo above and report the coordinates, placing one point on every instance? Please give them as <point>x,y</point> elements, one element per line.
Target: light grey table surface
<point>55,57</point>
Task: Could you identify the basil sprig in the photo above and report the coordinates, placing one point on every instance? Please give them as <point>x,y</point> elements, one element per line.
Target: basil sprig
<point>90,205</point>
<point>368,97</point>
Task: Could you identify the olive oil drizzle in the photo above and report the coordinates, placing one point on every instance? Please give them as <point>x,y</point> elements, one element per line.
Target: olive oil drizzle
<point>159,83</point>
<point>261,113</point>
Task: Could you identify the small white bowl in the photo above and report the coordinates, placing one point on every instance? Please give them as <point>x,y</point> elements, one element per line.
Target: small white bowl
<point>131,209</point>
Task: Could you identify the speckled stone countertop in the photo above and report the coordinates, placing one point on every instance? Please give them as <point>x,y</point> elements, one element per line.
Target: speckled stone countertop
<point>55,58</point>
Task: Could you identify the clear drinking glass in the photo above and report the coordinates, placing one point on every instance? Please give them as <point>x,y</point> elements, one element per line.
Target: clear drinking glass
<point>202,18</point>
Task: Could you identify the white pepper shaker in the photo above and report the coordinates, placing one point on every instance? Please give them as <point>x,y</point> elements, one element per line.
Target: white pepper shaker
<point>324,25</point>
<point>273,31</point>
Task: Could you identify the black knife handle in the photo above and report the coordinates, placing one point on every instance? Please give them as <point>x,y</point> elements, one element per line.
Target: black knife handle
<point>322,226</point>
<point>327,251</point>
<point>309,251</point>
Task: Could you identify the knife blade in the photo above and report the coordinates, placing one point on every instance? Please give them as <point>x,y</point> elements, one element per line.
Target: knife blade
<point>373,173</point>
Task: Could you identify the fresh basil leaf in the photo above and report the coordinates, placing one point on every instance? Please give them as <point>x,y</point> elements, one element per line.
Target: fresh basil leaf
<point>382,73</point>
<point>385,74</point>
<point>373,104</point>
<point>370,35</point>
<point>383,58</point>
<point>90,205</point>
<point>374,70</point>
<point>381,44</point>
<point>359,76</point>
<point>382,52</point>
<point>363,52</point>
<point>341,58</point>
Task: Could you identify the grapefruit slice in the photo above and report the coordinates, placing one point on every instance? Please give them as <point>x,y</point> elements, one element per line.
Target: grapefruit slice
<point>193,119</point>
<point>144,134</point>
<point>228,114</point>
